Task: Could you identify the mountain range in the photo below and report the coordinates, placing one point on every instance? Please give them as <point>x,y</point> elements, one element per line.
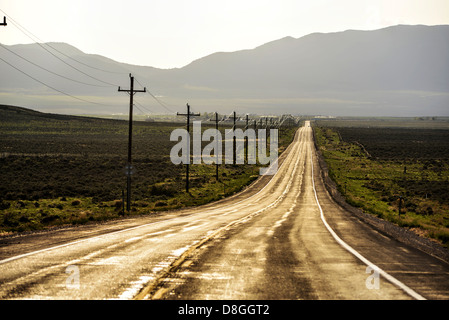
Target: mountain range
<point>396,71</point>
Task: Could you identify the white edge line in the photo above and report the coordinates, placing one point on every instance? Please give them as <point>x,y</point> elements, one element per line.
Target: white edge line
<point>387,276</point>
<point>72,243</point>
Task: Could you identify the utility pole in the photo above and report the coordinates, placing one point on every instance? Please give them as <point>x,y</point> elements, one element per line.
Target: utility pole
<point>255,144</point>
<point>216,139</point>
<point>188,115</point>
<point>234,144</point>
<point>129,167</point>
<point>246,140</point>
<point>267,127</point>
<point>4,22</point>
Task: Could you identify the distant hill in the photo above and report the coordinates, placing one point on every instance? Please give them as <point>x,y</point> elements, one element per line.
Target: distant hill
<point>395,71</point>
<point>16,114</point>
<point>19,114</point>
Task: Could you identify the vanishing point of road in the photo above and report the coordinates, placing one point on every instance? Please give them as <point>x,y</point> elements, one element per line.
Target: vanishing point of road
<point>281,238</point>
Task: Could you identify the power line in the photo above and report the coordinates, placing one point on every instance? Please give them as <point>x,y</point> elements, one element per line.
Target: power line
<point>57,90</point>
<point>136,104</point>
<point>84,64</point>
<point>75,68</point>
<point>45,69</point>
<point>18,26</point>
<point>157,100</point>
<point>160,102</point>
<point>33,37</point>
<point>25,30</point>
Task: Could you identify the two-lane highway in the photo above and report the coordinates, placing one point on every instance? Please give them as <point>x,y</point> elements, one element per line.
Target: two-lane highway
<point>117,262</point>
<point>294,253</point>
<point>285,239</point>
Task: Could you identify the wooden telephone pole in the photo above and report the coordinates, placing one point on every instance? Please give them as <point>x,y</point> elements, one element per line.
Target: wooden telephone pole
<point>255,144</point>
<point>234,144</point>
<point>267,127</point>
<point>188,115</point>
<point>246,139</point>
<point>129,167</point>
<point>216,128</point>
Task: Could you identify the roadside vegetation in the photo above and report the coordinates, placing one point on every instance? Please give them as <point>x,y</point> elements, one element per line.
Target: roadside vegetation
<point>60,170</point>
<point>383,170</point>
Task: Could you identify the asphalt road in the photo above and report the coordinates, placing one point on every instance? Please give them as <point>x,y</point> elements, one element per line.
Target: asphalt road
<point>281,238</point>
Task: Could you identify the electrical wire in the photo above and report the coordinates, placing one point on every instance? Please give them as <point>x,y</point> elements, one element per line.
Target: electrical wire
<point>143,107</point>
<point>75,68</point>
<point>84,64</point>
<point>135,105</point>
<point>54,55</point>
<point>155,98</point>
<point>25,31</point>
<point>33,37</point>
<point>45,69</point>
<point>43,83</point>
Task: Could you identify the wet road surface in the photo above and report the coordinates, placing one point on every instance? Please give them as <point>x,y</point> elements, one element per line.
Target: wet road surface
<point>282,238</point>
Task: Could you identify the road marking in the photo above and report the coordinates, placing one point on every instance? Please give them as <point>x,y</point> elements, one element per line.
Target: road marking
<point>79,241</point>
<point>178,252</point>
<point>387,276</point>
<point>126,230</point>
<point>184,253</point>
<point>133,239</point>
<point>185,229</point>
<point>145,292</point>
<point>111,261</point>
<point>135,287</point>
<point>284,217</point>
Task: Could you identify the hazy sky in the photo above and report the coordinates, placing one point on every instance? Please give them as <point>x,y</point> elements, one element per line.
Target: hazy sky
<point>173,33</point>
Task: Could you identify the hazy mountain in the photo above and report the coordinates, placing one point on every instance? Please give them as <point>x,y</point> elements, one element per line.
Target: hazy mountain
<point>399,71</point>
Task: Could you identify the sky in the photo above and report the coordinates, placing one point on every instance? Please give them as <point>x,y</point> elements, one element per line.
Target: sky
<point>173,33</point>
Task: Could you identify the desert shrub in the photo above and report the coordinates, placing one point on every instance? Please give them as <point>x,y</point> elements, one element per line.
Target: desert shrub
<point>118,204</point>
<point>4,205</point>
<point>49,219</point>
<point>160,204</point>
<point>162,190</point>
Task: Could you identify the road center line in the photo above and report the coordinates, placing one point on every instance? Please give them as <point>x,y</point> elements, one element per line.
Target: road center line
<point>124,230</point>
<point>177,262</point>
